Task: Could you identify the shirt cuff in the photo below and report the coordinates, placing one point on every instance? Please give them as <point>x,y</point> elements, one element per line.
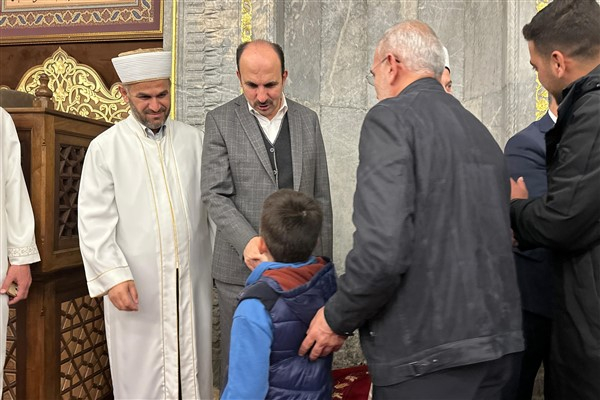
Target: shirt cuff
<point>102,283</point>
<point>23,255</point>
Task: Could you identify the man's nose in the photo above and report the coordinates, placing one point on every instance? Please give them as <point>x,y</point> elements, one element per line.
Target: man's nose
<point>262,95</point>
<point>154,105</point>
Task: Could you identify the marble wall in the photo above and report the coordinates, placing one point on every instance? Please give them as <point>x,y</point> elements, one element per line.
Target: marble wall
<point>329,47</point>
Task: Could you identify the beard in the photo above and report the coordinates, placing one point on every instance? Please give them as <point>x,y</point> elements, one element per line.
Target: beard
<point>151,124</point>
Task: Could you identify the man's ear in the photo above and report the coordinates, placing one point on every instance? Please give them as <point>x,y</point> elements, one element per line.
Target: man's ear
<point>123,92</point>
<point>558,63</point>
<point>284,77</point>
<point>395,68</point>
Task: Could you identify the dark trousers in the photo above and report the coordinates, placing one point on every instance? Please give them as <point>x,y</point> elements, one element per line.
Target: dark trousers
<point>227,295</point>
<point>537,332</point>
<point>481,381</point>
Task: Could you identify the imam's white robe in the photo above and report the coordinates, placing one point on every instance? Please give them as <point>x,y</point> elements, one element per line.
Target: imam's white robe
<point>141,216</point>
<point>17,231</point>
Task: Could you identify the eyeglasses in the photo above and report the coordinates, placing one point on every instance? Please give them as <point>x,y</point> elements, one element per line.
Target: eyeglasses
<point>370,77</point>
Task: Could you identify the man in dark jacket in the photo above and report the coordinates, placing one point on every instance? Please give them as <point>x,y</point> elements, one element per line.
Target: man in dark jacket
<point>430,281</point>
<point>525,155</point>
<point>564,47</point>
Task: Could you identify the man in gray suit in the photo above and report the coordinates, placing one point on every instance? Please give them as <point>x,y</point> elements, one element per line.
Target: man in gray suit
<point>254,145</point>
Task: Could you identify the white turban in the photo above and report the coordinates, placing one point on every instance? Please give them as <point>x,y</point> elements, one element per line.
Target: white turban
<point>446,58</point>
<point>143,65</point>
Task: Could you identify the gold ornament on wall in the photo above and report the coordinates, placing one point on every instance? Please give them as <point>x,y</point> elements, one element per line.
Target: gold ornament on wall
<point>246,21</point>
<point>540,4</point>
<point>541,94</point>
<point>77,88</point>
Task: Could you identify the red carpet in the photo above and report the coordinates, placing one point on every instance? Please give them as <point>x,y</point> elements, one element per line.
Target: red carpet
<point>351,383</point>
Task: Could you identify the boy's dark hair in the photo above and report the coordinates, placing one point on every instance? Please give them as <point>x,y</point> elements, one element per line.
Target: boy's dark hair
<point>569,26</point>
<point>290,225</point>
<point>275,46</point>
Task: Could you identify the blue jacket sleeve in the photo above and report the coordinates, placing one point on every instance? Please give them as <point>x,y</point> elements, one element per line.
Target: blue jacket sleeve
<point>251,338</point>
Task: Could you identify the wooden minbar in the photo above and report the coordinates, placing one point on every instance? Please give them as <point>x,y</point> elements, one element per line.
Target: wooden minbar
<point>56,345</point>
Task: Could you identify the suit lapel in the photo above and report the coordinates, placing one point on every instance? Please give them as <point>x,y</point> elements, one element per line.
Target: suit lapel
<point>296,136</point>
<point>546,123</point>
<point>250,126</point>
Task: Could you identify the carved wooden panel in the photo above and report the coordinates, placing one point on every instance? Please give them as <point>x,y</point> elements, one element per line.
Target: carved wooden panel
<point>84,366</point>
<point>77,88</point>
<point>9,387</point>
<point>70,164</point>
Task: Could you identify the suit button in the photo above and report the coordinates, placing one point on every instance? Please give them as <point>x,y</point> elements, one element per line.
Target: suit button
<point>272,150</point>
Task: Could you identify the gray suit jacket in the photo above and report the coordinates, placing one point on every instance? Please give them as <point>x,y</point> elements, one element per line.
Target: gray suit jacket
<point>237,177</point>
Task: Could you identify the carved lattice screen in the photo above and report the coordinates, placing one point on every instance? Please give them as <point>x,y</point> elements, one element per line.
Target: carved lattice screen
<point>84,369</point>
<point>70,159</point>
<point>84,366</point>
<point>9,389</point>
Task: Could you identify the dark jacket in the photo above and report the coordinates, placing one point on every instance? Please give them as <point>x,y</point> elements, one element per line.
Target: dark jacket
<point>525,155</point>
<point>291,310</point>
<point>567,220</point>
<point>430,280</point>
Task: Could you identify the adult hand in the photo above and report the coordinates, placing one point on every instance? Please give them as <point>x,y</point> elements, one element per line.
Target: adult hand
<point>252,254</point>
<point>518,189</point>
<point>321,338</point>
<point>124,296</point>
<point>20,275</point>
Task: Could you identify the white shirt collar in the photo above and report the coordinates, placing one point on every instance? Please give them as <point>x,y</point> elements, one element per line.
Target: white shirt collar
<point>271,127</point>
<point>148,132</point>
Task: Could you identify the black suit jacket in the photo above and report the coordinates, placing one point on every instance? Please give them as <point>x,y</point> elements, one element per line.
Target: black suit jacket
<point>525,155</point>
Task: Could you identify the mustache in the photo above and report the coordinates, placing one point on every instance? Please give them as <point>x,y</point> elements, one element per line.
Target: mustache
<point>162,109</point>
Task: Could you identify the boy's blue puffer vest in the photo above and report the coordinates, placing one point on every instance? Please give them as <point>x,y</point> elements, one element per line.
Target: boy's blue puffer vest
<point>292,376</point>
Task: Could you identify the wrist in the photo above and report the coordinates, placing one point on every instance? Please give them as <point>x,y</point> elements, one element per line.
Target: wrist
<point>333,328</point>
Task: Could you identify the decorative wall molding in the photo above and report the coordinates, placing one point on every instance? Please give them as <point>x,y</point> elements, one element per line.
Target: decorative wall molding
<point>541,94</point>
<point>79,20</point>
<point>513,42</point>
<point>77,88</point>
<point>246,21</point>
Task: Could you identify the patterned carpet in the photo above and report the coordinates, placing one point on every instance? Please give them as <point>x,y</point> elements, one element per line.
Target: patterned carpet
<point>348,384</point>
<point>351,383</point>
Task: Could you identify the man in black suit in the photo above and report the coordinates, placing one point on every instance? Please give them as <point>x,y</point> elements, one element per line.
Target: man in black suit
<point>526,156</point>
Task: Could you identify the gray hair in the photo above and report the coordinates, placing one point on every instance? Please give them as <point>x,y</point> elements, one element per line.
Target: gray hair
<point>416,45</point>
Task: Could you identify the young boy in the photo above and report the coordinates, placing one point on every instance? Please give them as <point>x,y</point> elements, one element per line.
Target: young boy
<point>280,299</point>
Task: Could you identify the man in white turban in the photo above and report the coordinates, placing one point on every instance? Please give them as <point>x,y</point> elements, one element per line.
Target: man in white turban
<point>17,241</point>
<point>446,80</point>
<point>145,240</point>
